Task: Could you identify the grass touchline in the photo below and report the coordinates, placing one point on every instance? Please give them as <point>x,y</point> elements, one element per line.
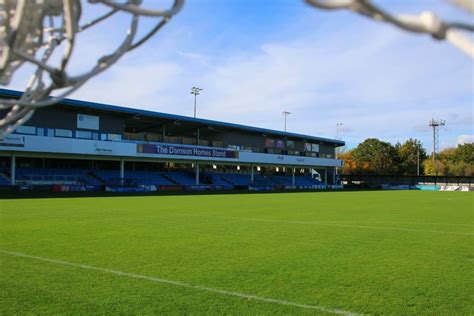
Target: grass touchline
<point>180,283</point>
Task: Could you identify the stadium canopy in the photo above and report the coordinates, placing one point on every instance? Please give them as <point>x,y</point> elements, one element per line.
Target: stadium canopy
<point>138,114</point>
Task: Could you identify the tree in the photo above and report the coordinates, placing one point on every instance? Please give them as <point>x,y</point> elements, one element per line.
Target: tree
<point>447,154</point>
<point>376,157</point>
<point>350,166</point>
<point>453,162</point>
<point>465,153</point>
<point>433,169</point>
<point>408,153</point>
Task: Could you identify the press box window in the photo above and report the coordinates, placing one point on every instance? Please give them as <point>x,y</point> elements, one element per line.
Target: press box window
<point>30,130</point>
<point>83,134</point>
<point>62,133</point>
<point>114,137</point>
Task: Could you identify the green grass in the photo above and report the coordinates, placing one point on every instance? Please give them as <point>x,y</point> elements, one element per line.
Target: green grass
<point>394,252</point>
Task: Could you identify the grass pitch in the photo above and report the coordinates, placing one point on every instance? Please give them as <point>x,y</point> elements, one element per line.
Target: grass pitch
<point>300,253</point>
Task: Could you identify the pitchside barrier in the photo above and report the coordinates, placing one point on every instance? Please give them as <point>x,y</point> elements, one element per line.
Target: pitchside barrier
<point>396,182</point>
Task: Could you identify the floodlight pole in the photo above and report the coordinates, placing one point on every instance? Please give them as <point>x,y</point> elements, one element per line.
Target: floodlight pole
<point>337,129</point>
<point>286,113</point>
<point>435,125</point>
<point>196,91</point>
<point>418,161</point>
<point>337,148</point>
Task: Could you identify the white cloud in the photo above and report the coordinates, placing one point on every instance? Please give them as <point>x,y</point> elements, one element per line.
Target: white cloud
<point>383,84</point>
<point>379,81</point>
<point>132,85</point>
<point>465,139</point>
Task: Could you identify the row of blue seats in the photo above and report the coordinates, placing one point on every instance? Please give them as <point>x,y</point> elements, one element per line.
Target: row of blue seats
<point>182,177</point>
<point>3,180</point>
<point>276,180</point>
<point>112,177</point>
<point>56,175</point>
<point>50,171</point>
<point>136,177</point>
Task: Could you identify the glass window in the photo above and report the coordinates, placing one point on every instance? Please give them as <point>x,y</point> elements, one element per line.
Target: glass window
<point>24,129</point>
<point>189,141</point>
<point>269,143</point>
<point>151,137</point>
<point>203,142</point>
<point>83,134</point>
<point>217,143</point>
<point>174,139</point>
<point>114,137</point>
<point>40,131</point>
<point>62,132</point>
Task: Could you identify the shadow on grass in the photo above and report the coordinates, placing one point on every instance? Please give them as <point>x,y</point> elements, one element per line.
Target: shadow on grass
<point>15,194</point>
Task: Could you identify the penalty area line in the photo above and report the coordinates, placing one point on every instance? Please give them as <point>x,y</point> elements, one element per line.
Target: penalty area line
<point>181,284</point>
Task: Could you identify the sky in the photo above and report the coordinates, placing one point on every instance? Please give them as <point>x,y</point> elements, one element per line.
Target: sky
<point>255,59</point>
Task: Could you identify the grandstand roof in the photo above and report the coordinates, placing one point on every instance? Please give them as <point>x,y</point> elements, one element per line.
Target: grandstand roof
<point>199,121</point>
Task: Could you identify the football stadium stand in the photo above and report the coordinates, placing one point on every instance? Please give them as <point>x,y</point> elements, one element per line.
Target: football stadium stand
<point>78,145</point>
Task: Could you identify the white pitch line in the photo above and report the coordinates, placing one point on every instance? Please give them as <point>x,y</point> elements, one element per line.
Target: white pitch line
<point>182,284</point>
<point>363,226</point>
<point>324,223</point>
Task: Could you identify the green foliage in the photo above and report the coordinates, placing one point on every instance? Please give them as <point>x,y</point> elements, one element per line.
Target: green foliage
<point>456,161</point>
<point>433,169</point>
<point>376,253</point>
<point>373,156</point>
<point>408,154</point>
<point>376,157</point>
<point>465,153</point>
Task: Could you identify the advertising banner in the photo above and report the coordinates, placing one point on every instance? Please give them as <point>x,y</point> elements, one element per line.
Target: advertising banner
<point>279,144</point>
<point>13,141</point>
<point>186,151</point>
<point>269,143</point>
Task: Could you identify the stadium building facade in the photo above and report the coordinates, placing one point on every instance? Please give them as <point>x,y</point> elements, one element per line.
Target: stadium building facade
<point>78,145</point>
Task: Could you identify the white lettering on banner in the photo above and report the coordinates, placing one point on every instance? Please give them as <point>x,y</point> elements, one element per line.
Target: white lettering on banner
<point>13,140</point>
<point>186,151</point>
<point>202,152</point>
<point>218,154</point>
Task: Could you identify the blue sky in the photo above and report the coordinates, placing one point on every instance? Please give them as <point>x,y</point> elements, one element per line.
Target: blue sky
<point>257,58</point>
